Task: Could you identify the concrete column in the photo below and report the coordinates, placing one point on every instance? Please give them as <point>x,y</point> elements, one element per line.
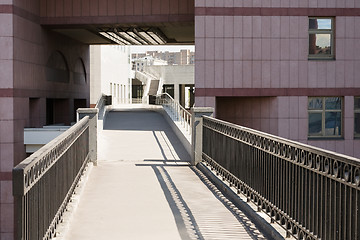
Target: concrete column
<point>197,136</point>
<point>93,116</point>
<point>176,92</point>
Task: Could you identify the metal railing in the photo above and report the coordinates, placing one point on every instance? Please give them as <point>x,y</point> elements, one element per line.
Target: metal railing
<point>176,112</point>
<point>44,182</point>
<point>312,193</point>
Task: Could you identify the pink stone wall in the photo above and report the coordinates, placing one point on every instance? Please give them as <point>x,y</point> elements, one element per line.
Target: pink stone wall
<point>6,126</point>
<point>257,50</point>
<point>287,117</point>
<point>262,52</point>
<point>24,50</point>
<point>260,113</point>
<point>74,8</point>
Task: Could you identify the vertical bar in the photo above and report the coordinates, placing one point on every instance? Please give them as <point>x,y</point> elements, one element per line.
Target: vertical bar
<point>321,211</point>
<point>301,199</point>
<point>357,213</point>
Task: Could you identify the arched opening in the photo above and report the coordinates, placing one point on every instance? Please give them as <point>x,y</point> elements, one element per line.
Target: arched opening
<point>57,68</point>
<point>79,72</point>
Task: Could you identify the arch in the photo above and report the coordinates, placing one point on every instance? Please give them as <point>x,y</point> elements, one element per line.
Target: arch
<point>57,68</point>
<point>79,72</point>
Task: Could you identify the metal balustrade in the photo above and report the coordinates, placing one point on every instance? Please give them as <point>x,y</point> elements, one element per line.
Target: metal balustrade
<point>312,193</point>
<point>44,182</point>
<point>177,112</point>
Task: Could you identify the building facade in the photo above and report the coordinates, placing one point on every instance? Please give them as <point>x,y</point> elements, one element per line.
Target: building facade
<point>290,68</point>
<point>44,77</point>
<point>45,64</point>
<point>287,67</point>
<point>110,73</point>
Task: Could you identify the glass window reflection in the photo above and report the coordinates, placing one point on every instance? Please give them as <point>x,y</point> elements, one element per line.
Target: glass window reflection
<point>357,124</point>
<point>357,116</point>
<point>321,34</point>
<point>315,103</point>
<point>315,121</point>
<point>320,44</point>
<point>320,23</point>
<point>333,103</point>
<point>332,123</point>
<point>325,116</point>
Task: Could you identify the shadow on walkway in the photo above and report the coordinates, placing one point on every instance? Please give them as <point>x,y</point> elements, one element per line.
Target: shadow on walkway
<point>147,120</point>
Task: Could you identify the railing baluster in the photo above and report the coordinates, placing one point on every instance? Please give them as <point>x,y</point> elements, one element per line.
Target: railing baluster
<point>308,185</point>
<point>51,175</point>
<point>177,113</point>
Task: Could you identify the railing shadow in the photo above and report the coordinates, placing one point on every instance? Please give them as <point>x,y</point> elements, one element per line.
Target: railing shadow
<point>185,221</point>
<point>247,224</point>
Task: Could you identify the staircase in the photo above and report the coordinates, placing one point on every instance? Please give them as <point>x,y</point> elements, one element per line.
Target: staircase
<point>154,85</point>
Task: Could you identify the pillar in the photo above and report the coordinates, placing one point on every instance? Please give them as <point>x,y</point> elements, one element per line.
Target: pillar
<point>197,136</point>
<point>93,116</point>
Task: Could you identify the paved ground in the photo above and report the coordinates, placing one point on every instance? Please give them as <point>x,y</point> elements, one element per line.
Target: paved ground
<point>143,188</point>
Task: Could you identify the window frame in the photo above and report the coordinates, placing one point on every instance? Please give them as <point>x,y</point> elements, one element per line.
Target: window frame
<point>356,110</point>
<point>322,31</point>
<point>323,112</point>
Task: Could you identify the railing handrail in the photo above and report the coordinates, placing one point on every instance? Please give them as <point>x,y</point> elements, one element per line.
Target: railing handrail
<point>311,192</point>
<point>101,101</point>
<point>178,114</point>
<point>146,74</point>
<point>36,165</point>
<point>328,153</point>
<point>173,100</point>
<point>44,182</point>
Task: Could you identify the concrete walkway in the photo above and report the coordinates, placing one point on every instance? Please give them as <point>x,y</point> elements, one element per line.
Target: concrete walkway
<point>144,188</point>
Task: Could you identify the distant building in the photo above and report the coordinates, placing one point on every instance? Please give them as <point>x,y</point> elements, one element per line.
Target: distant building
<point>170,72</point>
<point>183,57</point>
<point>140,63</point>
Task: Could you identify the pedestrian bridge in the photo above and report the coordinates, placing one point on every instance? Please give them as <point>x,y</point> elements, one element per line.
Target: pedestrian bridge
<point>147,184</point>
<point>144,188</point>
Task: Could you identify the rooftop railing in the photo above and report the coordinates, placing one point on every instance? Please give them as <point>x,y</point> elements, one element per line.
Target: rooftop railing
<point>176,112</point>
<point>312,193</point>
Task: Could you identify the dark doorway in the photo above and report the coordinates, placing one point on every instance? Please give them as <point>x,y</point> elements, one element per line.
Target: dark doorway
<point>34,113</point>
<point>169,88</point>
<point>57,111</point>
<point>78,103</point>
<point>186,95</point>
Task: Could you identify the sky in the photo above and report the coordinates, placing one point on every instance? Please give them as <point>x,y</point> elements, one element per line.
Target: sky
<point>163,48</point>
<point>324,23</point>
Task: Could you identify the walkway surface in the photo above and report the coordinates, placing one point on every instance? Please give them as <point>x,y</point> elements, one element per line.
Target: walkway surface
<point>144,188</point>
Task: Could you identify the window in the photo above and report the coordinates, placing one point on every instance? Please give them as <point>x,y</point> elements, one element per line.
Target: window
<point>321,38</point>
<point>357,116</point>
<point>325,116</point>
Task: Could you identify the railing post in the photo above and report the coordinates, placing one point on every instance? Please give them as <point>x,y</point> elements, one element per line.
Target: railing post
<point>196,136</point>
<point>92,113</point>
